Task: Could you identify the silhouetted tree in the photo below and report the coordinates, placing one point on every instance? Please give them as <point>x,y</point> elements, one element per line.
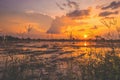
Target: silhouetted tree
<point>28,30</point>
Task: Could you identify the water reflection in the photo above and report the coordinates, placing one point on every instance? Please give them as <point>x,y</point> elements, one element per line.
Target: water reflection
<point>85,44</point>
<point>60,58</point>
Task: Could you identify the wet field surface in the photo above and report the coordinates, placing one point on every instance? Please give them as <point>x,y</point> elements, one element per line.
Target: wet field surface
<point>56,60</point>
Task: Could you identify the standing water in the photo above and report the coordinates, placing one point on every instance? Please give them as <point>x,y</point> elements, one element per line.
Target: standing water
<point>59,60</point>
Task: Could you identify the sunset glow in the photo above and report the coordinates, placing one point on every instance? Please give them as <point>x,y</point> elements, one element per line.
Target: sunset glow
<point>85,36</point>
<point>59,39</point>
<point>85,43</point>
<point>78,17</point>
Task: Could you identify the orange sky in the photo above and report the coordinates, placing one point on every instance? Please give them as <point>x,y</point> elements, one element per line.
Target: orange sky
<point>59,18</point>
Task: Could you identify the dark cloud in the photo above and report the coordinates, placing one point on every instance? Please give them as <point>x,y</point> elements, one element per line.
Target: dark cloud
<point>112,5</point>
<point>72,4</point>
<point>61,23</point>
<point>107,13</point>
<point>69,4</point>
<point>75,12</point>
<point>79,13</point>
<point>99,6</point>
<point>70,19</point>
<point>62,8</point>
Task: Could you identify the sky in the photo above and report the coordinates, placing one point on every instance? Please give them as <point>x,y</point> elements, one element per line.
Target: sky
<point>60,18</point>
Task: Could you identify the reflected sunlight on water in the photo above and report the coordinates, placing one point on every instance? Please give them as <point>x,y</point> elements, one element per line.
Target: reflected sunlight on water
<point>57,57</point>
<point>85,44</point>
<point>64,46</point>
<point>60,49</point>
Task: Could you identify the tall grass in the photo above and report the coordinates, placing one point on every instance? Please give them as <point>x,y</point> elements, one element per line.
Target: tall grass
<point>90,66</point>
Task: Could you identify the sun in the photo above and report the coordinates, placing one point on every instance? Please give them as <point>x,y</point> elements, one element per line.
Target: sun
<point>85,36</point>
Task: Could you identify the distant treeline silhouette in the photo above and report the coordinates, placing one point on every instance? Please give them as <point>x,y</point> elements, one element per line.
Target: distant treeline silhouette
<point>4,38</point>
<point>12,38</point>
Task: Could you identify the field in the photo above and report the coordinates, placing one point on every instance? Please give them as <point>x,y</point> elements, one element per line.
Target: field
<point>44,60</point>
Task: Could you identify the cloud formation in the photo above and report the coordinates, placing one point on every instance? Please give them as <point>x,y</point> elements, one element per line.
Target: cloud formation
<point>112,5</point>
<point>107,13</point>
<point>56,26</point>
<point>70,20</point>
<point>69,5</point>
<point>65,23</point>
<point>60,7</point>
<point>74,11</point>
<point>72,4</point>
<point>79,13</point>
<point>16,22</point>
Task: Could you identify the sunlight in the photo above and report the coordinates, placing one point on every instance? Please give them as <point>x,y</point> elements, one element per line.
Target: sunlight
<point>85,36</point>
<point>85,44</point>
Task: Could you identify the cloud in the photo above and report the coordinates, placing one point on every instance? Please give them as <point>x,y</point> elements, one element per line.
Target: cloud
<point>60,24</point>
<point>71,20</point>
<point>60,7</point>
<point>69,5</point>
<point>15,22</point>
<point>99,6</point>
<point>56,26</point>
<point>73,8</point>
<point>79,13</point>
<point>107,13</point>
<point>112,5</point>
<point>65,23</point>
<point>72,4</point>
